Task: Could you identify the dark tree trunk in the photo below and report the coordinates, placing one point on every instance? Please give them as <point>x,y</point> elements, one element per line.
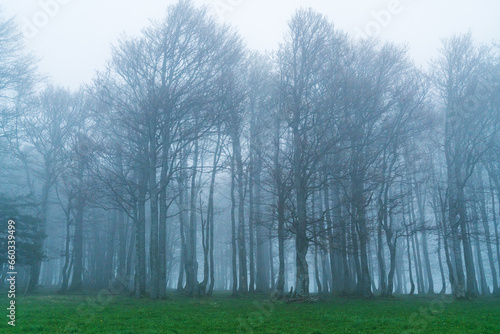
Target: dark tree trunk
<point>76,283</point>
<point>242,251</point>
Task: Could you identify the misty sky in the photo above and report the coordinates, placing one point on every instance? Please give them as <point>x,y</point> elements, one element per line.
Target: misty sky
<point>73,37</point>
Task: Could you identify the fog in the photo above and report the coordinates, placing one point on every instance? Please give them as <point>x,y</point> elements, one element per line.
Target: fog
<point>286,148</point>
<point>75,39</point>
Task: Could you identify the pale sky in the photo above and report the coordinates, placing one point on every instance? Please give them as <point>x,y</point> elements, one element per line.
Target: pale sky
<point>73,37</point>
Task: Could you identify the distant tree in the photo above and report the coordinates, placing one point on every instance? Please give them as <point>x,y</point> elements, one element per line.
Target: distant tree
<point>47,125</point>
<point>27,237</point>
<point>17,80</point>
<point>458,74</point>
<point>302,56</point>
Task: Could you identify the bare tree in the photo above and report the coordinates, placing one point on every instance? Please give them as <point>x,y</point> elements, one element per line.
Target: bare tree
<point>458,72</point>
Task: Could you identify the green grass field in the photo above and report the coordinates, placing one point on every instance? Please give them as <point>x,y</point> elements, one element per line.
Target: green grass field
<point>96,313</point>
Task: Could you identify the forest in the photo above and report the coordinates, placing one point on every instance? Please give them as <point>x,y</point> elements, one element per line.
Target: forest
<point>191,165</point>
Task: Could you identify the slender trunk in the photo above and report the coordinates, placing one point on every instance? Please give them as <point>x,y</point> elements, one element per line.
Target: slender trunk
<point>329,229</point>
<point>362,231</point>
<point>426,259</point>
<point>76,283</point>
<point>391,243</point>
<point>412,283</point>
<point>162,246</point>
<point>122,226</point>
<point>182,220</point>
<point>427,262</point>
<point>380,255</point>
<point>316,271</point>
<point>300,185</point>
<point>345,262</point>
<point>140,235</point>
<point>162,223</point>
<point>263,244</point>
<point>401,287</point>
<point>315,238</point>
<point>495,223</point>
<point>416,253</point>
<point>440,236</point>
<point>65,272</point>
<point>355,256</point>
<point>467,248</point>
<point>205,236</point>
<point>110,253</point>
<point>191,261</point>
<point>487,233</point>
<point>280,285</point>
<point>323,248</point>
<point>460,277</point>
<point>210,212</point>
<point>280,209</point>
<point>418,264</point>
<point>153,248</point>
<point>130,253</point>
<point>251,226</point>
<point>483,285</point>
<point>242,252</point>
<point>234,250</point>
<point>271,262</point>
<point>41,230</point>
<point>251,187</point>
<point>122,244</point>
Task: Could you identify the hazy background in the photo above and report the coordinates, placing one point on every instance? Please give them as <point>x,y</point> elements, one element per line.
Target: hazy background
<point>73,37</point>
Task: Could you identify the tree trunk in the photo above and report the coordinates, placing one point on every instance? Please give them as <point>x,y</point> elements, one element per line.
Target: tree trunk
<point>360,221</point>
<point>242,251</point>
<point>76,283</point>
<point>41,230</point>
<point>412,283</point>
<point>391,243</point>
<point>122,245</point>
<point>487,233</point>
<point>427,262</point>
<point>205,236</point>
<point>130,253</point>
<point>280,209</point>
<point>329,228</point>
<point>65,272</point>
<point>191,261</point>
<point>483,285</point>
<point>162,228</point>
<point>440,236</point>
<point>140,235</point>
<point>380,254</point>
<point>210,211</point>
<point>467,249</point>
<point>183,223</point>
<point>251,225</point>
<point>263,245</point>
<point>234,270</point>
<point>495,223</point>
<point>416,253</point>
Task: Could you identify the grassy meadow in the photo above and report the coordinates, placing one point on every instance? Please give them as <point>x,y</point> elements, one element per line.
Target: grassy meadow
<point>100,313</point>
